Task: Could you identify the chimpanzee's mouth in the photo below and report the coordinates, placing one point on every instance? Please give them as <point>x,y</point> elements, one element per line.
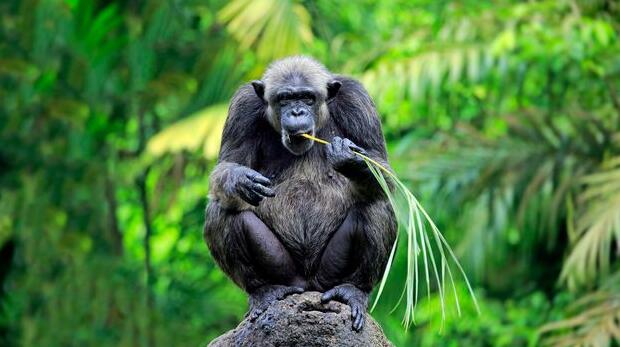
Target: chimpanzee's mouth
<point>297,143</point>
<point>300,135</point>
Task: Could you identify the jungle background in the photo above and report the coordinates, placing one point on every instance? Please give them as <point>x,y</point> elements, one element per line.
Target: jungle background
<point>503,117</point>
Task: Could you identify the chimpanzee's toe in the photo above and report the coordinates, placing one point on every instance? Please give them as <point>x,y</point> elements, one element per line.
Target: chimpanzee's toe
<point>264,296</point>
<point>352,296</point>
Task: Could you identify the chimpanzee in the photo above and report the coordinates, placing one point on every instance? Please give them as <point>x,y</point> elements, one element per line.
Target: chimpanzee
<point>285,215</point>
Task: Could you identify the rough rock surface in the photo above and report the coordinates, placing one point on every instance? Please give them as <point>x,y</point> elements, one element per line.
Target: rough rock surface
<point>301,320</point>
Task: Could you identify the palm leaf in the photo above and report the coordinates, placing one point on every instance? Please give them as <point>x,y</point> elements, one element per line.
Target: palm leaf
<point>275,28</point>
<point>597,226</point>
<point>520,180</point>
<point>594,320</point>
<point>202,129</point>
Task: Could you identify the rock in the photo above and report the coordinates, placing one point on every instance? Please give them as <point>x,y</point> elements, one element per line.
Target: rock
<point>301,320</point>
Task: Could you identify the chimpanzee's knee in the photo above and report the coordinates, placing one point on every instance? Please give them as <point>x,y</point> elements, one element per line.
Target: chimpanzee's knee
<point>268,255</point>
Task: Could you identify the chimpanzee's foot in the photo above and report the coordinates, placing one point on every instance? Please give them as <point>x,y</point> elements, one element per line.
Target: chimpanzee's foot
<point>266,295</point>
<point>352,296</point>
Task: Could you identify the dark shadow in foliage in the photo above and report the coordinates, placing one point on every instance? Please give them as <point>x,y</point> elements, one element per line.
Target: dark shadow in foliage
<point>6,260</point>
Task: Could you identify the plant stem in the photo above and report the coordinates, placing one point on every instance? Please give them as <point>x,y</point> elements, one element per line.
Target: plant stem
<point>321,141</point>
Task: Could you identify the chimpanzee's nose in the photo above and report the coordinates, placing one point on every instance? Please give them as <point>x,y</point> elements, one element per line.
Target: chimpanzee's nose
<point>298,111</point>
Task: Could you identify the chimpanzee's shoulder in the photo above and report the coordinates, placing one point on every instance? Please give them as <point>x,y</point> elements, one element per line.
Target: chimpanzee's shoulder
<point>354,113</point>
<point>246,114</point>
<point>352,98</point>
<point>351,87</point>
<point>246,104</point>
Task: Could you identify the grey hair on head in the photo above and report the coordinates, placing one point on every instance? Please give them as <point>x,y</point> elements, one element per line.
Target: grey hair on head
<point>296,68</point>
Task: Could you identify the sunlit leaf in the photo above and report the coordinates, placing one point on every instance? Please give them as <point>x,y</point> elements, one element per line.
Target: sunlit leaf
<point>200,130</point>
<point>275,28</point>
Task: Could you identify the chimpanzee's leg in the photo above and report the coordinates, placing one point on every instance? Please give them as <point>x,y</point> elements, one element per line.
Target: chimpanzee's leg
<point>270,258</point>
<point>250,253</point>
<point>339,257</point>
<point>355,257</point>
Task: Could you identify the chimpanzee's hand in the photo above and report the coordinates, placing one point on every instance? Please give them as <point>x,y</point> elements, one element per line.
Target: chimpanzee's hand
<point>250,185</point>
<point>340,155</point>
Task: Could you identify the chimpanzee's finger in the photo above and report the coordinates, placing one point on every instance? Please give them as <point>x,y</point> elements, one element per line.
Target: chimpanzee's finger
<point>329,149</point>
<point>354,312</point>
<point>262,190</point>
<point>346,149</point>
<point>289,291</point>
<point>354,147</point>
<point>249,196</point>
<point>258,178</point>
<point>358,323</point>
<point>332,294</point>
<point>337,144</point>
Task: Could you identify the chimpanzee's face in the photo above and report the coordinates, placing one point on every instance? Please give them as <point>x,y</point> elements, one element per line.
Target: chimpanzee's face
<point>297,109</point>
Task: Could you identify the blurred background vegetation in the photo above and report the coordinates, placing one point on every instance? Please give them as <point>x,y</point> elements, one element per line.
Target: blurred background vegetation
<point>502,116</point>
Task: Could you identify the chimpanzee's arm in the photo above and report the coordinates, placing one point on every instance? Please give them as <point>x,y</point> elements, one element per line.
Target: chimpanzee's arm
<point>244,247</point>
<point>355,115</point>
<point>355,257</point>
<point>233,184</point>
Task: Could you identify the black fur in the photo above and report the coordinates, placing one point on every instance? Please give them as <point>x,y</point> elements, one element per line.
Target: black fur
<point>328,224</point>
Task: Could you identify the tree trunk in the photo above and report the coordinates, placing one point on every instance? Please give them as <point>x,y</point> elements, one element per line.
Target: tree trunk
<point>301,320</point>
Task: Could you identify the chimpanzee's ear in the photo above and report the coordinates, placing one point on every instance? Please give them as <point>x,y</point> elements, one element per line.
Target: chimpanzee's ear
<point>259,88</point>
<point>332,88</point>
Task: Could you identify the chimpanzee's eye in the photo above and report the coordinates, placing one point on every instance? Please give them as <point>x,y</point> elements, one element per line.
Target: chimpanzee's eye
<point>283,103</point>
<point>308,101</point>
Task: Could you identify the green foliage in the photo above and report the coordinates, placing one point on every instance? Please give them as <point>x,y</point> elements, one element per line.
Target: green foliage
<point>504,116</point>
